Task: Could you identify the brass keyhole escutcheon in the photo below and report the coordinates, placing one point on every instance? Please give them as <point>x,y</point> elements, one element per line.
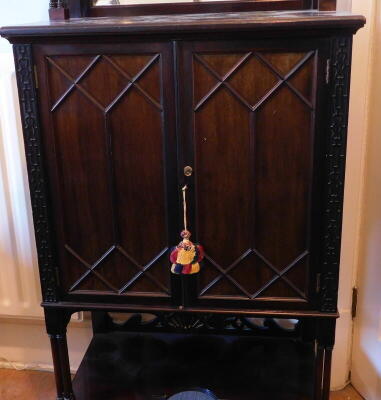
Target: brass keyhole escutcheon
<point>188,170</point>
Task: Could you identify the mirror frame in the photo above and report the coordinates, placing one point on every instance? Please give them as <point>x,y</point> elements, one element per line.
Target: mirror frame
<point>84,8</point>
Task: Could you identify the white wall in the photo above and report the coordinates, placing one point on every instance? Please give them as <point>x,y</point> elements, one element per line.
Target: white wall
<point>357,136</point>
<point>20,12</point>
<point>16,234</point>
<point>18,276</point>
<point>366,368</point>
<point>22,334</point>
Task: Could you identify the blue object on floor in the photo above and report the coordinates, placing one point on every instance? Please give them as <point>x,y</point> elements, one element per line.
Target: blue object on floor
<point>194,394</point>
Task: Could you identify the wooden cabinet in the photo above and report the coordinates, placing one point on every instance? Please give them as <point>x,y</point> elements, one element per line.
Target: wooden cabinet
<point>249,126</point>
<point>247,118</point>
<point>255,104</point>
<point>110,135</point>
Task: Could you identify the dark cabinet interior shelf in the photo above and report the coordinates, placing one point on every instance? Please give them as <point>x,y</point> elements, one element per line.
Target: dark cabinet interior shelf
<point>135,366</point>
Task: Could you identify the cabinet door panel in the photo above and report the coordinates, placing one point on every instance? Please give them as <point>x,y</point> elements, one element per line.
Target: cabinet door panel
<point>110,146</point>
<point>248,125</point>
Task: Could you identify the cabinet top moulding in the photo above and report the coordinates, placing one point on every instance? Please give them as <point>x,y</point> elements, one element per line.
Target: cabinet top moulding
<point>190,23</point>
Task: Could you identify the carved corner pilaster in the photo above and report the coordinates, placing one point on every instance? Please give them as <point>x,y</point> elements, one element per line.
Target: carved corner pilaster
<point>341,51</point>
<point>37,181</point>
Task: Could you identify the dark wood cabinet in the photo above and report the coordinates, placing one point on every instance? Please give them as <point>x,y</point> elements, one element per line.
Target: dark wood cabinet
<point>249,127</point>
<point>113,110</point>
<point>110,135</point>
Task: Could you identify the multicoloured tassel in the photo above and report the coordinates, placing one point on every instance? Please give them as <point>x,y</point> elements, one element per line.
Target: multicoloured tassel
<point>186,256</point>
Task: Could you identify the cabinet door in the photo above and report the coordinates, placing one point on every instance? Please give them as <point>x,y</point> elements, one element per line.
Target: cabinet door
<point>250,130</point>
<point>110,148</point>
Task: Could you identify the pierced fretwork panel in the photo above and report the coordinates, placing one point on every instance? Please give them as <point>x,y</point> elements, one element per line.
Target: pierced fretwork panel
<point>253,116</point>
<point>108,120</point>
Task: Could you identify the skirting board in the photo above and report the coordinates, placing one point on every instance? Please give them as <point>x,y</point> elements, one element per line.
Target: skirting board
<point>4,364</point>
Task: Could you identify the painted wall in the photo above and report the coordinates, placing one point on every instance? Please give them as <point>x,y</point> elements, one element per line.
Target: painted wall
<point>22,337</point>
<point>367,335</point>
<point>20,12</point>
<point>357,136</point>
<point>23,340</point>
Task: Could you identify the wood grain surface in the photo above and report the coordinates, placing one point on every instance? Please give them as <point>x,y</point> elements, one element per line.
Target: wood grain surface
<point>217,22</point>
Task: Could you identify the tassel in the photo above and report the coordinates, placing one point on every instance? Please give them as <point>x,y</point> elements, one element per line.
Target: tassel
<point>186,256</point>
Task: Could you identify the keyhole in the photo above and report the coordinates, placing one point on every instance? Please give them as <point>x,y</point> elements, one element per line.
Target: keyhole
<point>188,170</point>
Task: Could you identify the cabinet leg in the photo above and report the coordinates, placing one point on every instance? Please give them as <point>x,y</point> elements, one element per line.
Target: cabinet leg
<point>325,338</point>
<point>319,371</point>
<point>327,373</point>
<point>56,323</point>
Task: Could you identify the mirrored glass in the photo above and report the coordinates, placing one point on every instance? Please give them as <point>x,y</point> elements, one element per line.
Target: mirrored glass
<point>132,2</point>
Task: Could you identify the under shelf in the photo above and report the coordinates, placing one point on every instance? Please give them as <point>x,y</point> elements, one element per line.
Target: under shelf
<point>126,366</point>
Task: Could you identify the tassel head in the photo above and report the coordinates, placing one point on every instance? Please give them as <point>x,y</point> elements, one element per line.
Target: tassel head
<point>186,256</point>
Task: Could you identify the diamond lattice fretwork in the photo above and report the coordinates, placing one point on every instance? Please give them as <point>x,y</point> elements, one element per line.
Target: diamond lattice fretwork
<point>246,283</point>
<point>253,79</point>
<point>111,76</point>
<point>274,69</point>
<point>137,272</point>
<point>102,83</point>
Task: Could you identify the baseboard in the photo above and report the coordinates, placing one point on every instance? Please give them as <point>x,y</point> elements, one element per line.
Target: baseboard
<point>341,387</point>
<point>19,366</point>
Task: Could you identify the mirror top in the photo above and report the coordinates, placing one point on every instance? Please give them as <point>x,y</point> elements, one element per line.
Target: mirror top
<point>119,8</point>
<point>100,3</point>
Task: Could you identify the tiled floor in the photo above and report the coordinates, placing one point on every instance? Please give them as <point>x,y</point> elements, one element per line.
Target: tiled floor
<point>34,385</point>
